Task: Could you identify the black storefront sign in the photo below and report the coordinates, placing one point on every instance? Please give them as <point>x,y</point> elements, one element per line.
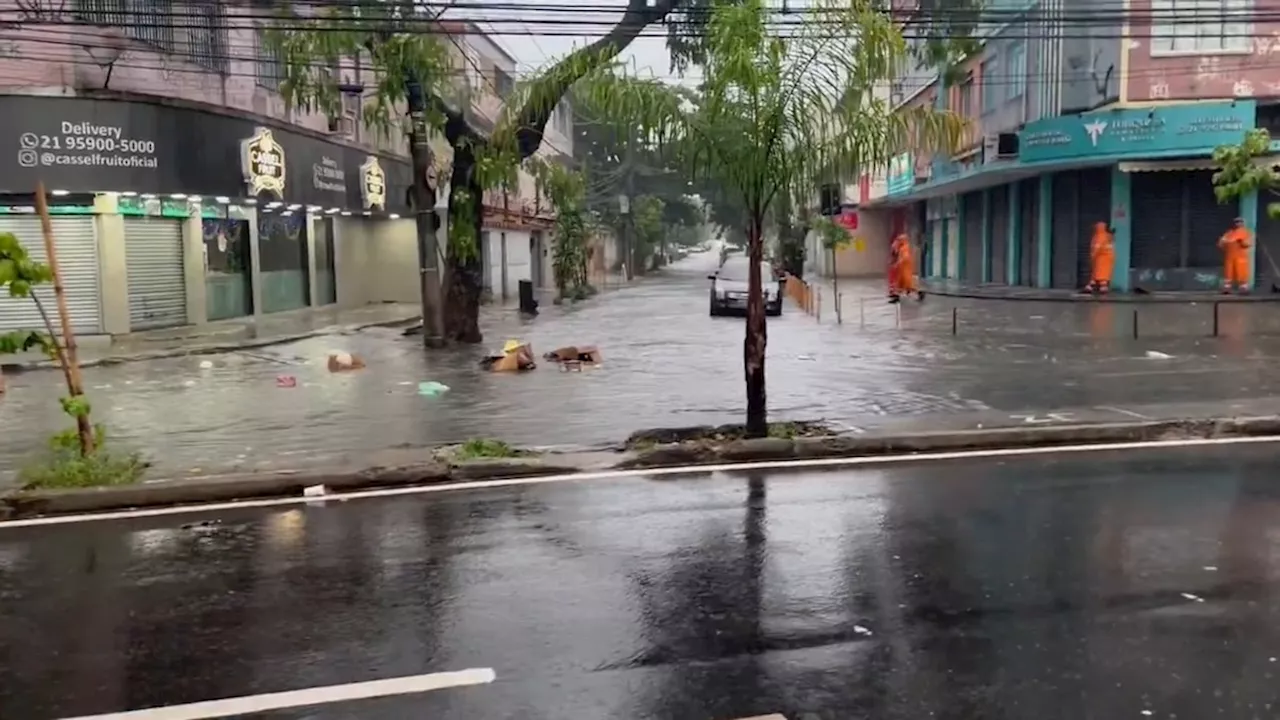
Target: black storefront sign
<point>85,145</point>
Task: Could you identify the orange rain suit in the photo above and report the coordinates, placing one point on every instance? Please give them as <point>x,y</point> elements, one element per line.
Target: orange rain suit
<point>1235,246</point>
<point>1102,253</point>
<point>902,271</point>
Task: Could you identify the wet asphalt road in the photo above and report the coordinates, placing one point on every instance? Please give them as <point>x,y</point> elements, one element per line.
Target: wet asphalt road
<point>1069,586</point>
<point>666,364</point>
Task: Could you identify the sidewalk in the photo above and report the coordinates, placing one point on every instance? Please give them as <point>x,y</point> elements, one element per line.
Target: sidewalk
<point>225,335</point>
<point>996,291</point>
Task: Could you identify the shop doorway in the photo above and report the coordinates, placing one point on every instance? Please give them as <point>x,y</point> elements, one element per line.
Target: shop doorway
<point>228,268</point>
<point>326,276</point>
<point>282,248</point>
<point>157,277</point>
<point>77,246</point>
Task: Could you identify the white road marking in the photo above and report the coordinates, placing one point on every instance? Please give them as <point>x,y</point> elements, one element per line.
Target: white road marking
<point>853,462</point>
<point>774,716</point>
<point>304,698</point>
<point>1122,411</point>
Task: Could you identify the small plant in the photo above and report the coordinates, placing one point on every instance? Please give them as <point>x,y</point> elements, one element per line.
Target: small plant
<point>77,457</point>
<point>478,448</point>
<point>64,467</point>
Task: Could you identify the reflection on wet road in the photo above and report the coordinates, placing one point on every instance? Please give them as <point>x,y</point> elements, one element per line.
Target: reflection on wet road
<point>1101,585</point>
<point>666,364</point>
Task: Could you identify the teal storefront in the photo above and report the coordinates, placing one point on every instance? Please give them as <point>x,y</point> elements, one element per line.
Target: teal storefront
<point>1147,171</point>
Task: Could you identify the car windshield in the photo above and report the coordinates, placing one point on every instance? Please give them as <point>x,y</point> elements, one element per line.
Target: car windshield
<point>736,269</point>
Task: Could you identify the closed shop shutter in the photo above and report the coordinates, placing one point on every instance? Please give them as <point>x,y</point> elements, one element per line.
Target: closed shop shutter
<point>77,247</point>
<point>1207,220</point>
<point>999,234</point>
<point>1158,221</point>
<point>1266,271</point>
<point>1029,237</point>
<point>1066,209</point>
<point>157,280</point>
<point>937,238</point>
<point>972,238</point>
<point>1095,207</point>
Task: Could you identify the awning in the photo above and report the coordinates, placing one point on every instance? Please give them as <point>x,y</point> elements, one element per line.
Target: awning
<point>1187,164</point>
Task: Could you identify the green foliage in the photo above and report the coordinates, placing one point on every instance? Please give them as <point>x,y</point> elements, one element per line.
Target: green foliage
<point>566,190</point>
<point>776,117</point>
<point>478,448</point>
<point>19,273</point>
<point>65,467</point>
<point>1241,171</point>
<point>648,223</point>
<point>832,234</point>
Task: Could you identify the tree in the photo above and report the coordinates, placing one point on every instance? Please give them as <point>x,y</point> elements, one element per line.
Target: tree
<point>773,116</point>
<point>403,43</point>
<point>833,237</point>
<point>1240,171</point>
<point>567,192</point>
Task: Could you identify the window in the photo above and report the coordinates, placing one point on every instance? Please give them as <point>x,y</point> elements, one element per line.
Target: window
<point>965,104</point>
<point>149,21</point>
<point>503,83</point>
<point>270,66</point>
<point>990,85</point>
<point>1017,73</point>
<point>206,37</point>
<point>1200,26</point>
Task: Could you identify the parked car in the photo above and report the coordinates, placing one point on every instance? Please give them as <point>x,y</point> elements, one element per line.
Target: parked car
<point>729,288</point>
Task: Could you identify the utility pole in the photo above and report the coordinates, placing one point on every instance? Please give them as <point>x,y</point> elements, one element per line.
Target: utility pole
<point>628,210</point>
<point>424,209</point>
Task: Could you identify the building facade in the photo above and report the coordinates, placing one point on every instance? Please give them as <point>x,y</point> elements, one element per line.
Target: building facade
<point>1073,123</point>
<point>183,189</point>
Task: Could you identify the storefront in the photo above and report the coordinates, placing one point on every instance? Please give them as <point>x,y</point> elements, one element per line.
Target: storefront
<point>167,215</point>
<point>1148,173</point>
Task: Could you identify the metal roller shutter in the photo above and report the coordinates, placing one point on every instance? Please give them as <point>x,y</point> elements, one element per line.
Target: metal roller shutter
<point>1266,271</point>
<point>999,234</point>
<point>77,247</point>
<point>157,280</point>
<point>1029,238</point>
<point>1207,220</point>
<point>1095,207</point>
<point>1156,229</point>
<point>972,238</point>
<point>1066,209</point>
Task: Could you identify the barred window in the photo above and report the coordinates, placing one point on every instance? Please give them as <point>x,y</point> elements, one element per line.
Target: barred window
<point>149,21</point>
<point>206,37</point>
<point>270,66</point>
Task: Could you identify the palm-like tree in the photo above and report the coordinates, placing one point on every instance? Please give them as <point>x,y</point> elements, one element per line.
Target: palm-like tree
<point>779,111</point>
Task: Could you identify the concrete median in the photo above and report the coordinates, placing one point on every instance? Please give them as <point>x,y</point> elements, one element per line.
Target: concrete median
<point>168,493</point>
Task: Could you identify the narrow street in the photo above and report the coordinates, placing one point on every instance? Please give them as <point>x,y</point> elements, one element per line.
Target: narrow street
<point>1107,585</point>
<point>666,364</point>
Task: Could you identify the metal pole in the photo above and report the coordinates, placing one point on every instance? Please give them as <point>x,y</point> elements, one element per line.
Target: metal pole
<point>1135,324</point>
<point>424,208</point>
<point>862,313</point>
<point>1215,318</point>
<point>839,310</point>
<point>955,320</point>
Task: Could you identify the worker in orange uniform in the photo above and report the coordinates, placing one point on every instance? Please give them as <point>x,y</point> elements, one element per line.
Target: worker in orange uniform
<point>1102,255</point>
<point>902,270</point>
<point>1235,246</point>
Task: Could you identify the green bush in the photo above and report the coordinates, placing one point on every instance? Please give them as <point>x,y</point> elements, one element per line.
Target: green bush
<point>62,465</point>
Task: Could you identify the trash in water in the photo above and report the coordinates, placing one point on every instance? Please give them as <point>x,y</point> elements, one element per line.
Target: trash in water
<point>1156,355</point>
<point>286,381</point>
<point>342,361</point>
<point>1193,598</point>
<point>861,630</point>
<point>315,491</point>
<point>432,388</point>
<point>189,383</point>
<point>806,357</point>
<point>206,364</point>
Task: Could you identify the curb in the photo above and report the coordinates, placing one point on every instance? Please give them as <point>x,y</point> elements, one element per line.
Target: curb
<point>1154,299</point>
<point>765,449</point>
<point>211,349</point>
<point>197,491</point>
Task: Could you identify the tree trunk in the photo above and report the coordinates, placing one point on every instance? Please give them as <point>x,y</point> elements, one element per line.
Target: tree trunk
<point>753,346</point>
<point>464,279</point>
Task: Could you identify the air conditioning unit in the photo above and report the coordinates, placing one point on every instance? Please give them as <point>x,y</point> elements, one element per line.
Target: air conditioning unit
<point>1007,145</point>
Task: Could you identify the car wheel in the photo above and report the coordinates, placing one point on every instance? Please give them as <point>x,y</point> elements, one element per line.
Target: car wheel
<point>773,310</point>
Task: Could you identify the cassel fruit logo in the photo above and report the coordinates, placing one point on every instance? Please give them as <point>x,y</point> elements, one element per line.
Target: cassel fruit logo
<point>263,160</point>
<point>373,184</point>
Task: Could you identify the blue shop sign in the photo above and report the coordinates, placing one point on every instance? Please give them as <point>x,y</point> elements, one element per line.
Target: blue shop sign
<point>1194,129</point>
<point>902,174</point>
